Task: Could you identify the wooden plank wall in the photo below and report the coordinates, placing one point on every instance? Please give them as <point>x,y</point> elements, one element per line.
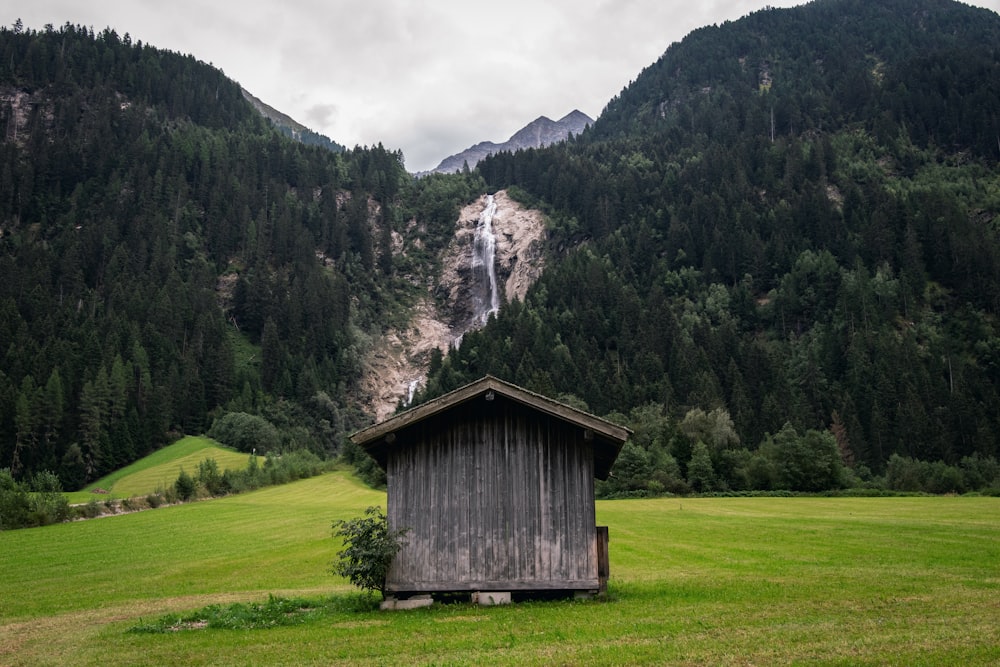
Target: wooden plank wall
<point>496,497</point>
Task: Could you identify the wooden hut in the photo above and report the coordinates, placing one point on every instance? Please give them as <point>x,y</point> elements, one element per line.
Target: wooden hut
<point>496,486</point>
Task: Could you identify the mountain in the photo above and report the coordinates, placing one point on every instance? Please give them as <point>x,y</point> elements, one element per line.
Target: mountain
<point>168,257</point>
<point>539,133</point>
<point>290,127</point>
<point>775,256</point>
<point>786,227</point>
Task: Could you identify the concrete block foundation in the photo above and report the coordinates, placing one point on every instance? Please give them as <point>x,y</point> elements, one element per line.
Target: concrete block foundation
<point>490,598</point>
<point>415,602</point>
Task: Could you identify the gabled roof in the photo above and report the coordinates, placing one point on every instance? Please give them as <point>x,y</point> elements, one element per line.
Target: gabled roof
<point>607,438</point>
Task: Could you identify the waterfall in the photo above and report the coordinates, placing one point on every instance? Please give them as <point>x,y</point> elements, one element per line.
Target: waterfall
<point>484,262</point>
<point>411,389</point>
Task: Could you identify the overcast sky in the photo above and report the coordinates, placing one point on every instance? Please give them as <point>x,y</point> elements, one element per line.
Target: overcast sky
<point>431,78</point>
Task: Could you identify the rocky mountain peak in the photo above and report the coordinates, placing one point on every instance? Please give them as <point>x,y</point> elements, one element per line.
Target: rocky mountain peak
<point>538,133</point>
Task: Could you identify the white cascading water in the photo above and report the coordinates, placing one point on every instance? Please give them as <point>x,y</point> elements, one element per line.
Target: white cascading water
<point>411,389</point>
<point>484,262</point>
<point>484,290</point>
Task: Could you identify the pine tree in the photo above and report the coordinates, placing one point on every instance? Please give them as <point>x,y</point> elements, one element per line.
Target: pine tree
<point>700,472</point>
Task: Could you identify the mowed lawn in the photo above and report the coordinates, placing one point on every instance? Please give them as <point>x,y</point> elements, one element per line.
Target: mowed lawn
<point>721,581</point>
<point>160,469</point>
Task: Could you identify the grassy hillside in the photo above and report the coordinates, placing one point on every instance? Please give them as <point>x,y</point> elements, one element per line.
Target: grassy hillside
<point>694,581</point>
<point>160,469</point>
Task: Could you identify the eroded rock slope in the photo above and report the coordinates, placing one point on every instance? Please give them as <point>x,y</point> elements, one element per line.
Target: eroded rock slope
<point>398,361</point>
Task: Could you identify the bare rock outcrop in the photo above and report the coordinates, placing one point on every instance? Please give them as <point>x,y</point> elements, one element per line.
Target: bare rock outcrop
<point>400,357</point>
<point>520,237</point>
<point>520,246</point>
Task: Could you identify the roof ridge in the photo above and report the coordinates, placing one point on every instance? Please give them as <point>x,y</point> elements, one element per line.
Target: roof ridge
<point>376,438</point>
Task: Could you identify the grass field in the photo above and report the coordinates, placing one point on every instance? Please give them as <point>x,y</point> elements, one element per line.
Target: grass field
<point>160,469</point>
<point>732,581</point>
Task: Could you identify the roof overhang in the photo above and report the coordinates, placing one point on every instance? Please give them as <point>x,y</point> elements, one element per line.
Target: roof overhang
<point>608,438</point>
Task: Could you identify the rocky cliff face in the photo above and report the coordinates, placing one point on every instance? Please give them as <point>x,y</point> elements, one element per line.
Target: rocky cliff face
<point>540,132</point>
<point>520,234</point>
<point>400,358</point>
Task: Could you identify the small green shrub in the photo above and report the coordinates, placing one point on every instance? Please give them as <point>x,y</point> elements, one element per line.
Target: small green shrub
<point>209,477</point>
<point>369,547</point>
<point>92,509</point>
<point>185,486</point>
<point>170,495</point>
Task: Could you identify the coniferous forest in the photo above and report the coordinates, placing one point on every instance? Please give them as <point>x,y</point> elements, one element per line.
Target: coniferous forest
<point>169,257</point>
<point>786,228</point>
<point>775,256</point>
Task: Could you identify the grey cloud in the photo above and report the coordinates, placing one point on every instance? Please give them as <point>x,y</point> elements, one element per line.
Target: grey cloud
<point>321,115</point>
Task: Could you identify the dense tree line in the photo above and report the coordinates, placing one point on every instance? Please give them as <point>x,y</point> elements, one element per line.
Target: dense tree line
<point>792,218</point>
<point>167,258</point>
<point>775,256</point>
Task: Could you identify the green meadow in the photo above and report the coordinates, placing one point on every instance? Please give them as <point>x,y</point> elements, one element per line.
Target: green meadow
<point>706,581</point>
<point>160,469</point>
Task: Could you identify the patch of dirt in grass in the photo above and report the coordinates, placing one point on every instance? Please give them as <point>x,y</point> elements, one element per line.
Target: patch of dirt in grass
<point>191,625</point>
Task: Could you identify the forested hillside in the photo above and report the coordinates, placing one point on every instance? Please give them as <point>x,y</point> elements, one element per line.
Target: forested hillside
<point>775,256</point>
<point>785,246</point>
<point>167,257</point>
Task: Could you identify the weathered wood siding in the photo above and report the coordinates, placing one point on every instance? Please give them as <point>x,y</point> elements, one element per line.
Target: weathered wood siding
<point>496,497</point>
